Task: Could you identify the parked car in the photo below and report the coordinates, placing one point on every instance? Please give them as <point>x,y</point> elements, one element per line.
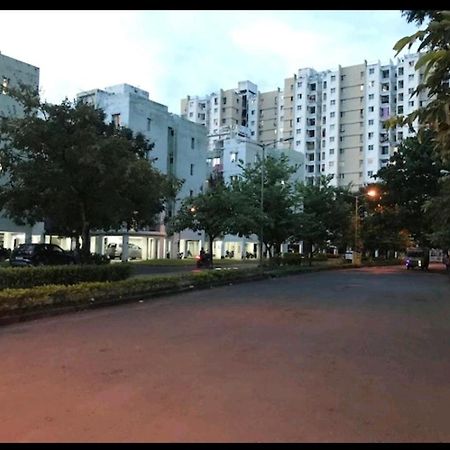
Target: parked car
<point>4,253</point>
<point>40,255</point>
<point>114,250</point>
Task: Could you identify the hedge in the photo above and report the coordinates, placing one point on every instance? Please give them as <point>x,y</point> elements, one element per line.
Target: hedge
<point>27,277</point>
<point>20,302</point>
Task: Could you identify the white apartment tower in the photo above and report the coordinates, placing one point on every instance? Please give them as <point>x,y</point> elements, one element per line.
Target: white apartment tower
<point>225,112</point>
<point>334,117</point>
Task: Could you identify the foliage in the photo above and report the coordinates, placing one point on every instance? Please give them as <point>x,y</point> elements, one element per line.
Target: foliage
<point>212,212</point>
<point>276,221</point>
<point>409,181</point>
<point>435,60</point>
<point>325,216</point>
<point>438,210</point>
<point>64,165</point>
<point>27,277</point>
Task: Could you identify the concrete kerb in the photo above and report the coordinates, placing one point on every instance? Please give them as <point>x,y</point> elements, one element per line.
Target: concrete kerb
<point>51,310</point>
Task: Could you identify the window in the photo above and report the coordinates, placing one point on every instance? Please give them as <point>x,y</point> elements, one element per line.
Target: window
<point>310,169</point>
<point>411,103</point>
<point>400,97</point>
<point>311,157</point>
<point>371,96</point>
<point>370,173</point>
<point>400,109</point>
<point>192,143</point>
<point>331,138</point>
<point>384,150</point>
<point>333,77</point>
<point>341,151</point>
<point>370,147</point>
<point>299,96</point>
<point>330,164</point>
<point>410,90</point>
<point>312,109</point>
<point>342,77</point>
<point>400,84</point>
<point>116,120</point>
<point>234,156</point>
<point>411,77</point>
<point>371,109</point>
<point>149,124</point>
<point>332,114</point>
<point>192,169</point>
<point>370,135</point>
<point>411,63</point>
<point>333,90</point>
<point>332,102</point>
<point>371,122</point>
<point>5,83</point>
<point>224,100</point>
<point>400,71</point>
<point>371,71</point>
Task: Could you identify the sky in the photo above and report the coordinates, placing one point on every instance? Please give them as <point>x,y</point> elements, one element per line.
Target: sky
<point>172,54</point>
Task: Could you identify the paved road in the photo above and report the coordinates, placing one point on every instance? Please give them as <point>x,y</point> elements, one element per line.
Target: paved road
<point>343,356</point>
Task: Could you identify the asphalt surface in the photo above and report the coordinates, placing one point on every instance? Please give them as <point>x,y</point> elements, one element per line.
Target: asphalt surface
<point>342,356</point>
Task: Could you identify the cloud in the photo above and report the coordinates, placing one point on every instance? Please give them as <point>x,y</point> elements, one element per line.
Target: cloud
<point>172,54</point>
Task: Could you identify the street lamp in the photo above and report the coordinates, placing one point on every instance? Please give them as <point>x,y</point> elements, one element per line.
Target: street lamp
<point>371,193</point>
<point>263,147</point>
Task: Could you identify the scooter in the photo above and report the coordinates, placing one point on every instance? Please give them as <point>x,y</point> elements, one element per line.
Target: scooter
<point>203,260</point>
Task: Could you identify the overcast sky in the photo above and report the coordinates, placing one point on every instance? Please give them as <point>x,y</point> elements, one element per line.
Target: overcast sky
<point>173,53</point>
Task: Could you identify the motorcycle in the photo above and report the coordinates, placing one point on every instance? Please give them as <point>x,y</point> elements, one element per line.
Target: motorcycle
<point>203,260</point>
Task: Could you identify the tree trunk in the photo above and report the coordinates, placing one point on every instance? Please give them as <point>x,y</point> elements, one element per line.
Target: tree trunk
<point>211,240</point>
<point>85,233</point>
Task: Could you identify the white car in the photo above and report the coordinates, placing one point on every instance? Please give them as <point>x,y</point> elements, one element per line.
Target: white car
<point>114,250</point>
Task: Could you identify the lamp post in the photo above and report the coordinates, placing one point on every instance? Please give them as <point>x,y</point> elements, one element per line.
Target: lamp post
<point>263,147</point>
<point>370,193</point>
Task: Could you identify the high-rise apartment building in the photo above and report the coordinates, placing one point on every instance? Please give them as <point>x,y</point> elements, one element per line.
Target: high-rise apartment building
<point>334,117</point>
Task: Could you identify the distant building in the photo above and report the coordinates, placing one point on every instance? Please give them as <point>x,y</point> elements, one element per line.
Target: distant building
<point>227,158</point>
<point>335,117</point>
<point>180,150</point>
<point>12,73</point>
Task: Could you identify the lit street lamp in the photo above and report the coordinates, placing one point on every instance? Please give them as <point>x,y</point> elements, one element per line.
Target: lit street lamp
<point>371,193</point>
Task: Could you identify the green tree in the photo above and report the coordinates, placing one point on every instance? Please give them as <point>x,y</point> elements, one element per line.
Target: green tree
<point>276,220</point>
<point>211,212</point>
<point>438,210</point>
<point>434,44</point>
<point>64,164</point>
<point>407,183</point>
<point>325,216</point>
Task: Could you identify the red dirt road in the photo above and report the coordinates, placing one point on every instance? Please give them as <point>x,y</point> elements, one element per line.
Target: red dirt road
<point>344,356</point>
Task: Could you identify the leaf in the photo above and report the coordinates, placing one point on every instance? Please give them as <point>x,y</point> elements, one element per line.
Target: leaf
<point>400,44</point>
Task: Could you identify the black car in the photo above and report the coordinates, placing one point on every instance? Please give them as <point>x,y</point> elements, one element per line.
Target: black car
<point>40,255</point>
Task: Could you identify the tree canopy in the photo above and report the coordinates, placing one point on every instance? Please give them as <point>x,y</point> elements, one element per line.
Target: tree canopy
<point>434,46</point>
<point>64,164</point>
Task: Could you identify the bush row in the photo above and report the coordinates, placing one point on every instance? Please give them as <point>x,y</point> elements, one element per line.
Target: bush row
<point>114,291</point>
<point>27,277</point>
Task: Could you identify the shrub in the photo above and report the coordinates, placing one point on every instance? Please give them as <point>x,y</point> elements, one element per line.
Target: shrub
<point>292,259</point>
<point>27,277</point>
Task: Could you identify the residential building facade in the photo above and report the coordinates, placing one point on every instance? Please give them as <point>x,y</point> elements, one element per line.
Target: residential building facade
<point>335,118</point>
<point>13,73</point>
<point>180,148</point>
